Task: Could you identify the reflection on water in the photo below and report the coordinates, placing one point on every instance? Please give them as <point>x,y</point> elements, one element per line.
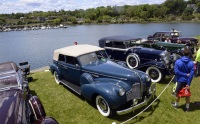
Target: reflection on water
<point>37,46</point>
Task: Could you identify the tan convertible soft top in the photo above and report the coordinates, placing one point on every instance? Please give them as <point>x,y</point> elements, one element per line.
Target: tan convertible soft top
<point>76,50</point>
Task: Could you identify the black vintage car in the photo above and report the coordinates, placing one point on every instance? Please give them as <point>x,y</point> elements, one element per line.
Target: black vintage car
<point>17,105</point>
<point>156,63</point>
<point>174,36</point>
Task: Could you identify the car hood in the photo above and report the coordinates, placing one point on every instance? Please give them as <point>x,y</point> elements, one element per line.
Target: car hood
<point>149,53</point>
<point>9,102</point>
<point>111,69</point>
<point>170,44</point>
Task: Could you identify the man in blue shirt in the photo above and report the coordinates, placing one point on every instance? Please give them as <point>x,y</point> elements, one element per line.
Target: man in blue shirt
<point>184,72</point>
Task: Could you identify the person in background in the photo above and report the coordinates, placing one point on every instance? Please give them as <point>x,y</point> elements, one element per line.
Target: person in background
<point>168,40</point>
<point>75,43</point>
<point>184,72</point>
<point>197,60</point>
<point>178,41</point>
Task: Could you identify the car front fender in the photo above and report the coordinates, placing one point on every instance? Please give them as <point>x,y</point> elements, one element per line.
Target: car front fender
<point>37,107</point>
<point>159,65</point>
<point>108,90</point>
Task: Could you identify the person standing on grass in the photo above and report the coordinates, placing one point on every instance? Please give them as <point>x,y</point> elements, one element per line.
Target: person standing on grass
<point>197,60</point>
<point>184,72</point>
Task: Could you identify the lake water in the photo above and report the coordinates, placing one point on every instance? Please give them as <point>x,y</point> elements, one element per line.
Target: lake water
<point>37,46</point>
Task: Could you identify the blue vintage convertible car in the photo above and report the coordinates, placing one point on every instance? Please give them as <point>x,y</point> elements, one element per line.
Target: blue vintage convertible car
<point>156,63</point>
<point>88,71</point>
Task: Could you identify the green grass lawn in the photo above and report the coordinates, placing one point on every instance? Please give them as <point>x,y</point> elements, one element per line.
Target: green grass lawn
<point>69,108</point>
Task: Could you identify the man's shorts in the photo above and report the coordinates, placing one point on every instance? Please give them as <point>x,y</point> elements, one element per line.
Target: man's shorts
<point>179,86</point>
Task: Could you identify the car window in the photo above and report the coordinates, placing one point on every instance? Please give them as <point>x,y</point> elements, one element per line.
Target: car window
<point>108,44</point>
<point>88,58</point>
<point>6,82</point>
<point>61,58</point>
<point>119,45</point>
<point>71,60</point>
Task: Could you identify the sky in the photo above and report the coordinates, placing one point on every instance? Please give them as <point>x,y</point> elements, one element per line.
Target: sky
<point>25,6</point>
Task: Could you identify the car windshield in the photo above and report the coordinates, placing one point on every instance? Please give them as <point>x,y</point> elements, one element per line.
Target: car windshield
<point>175,34</point>
<point>93,57</point>
<point>8,81</point>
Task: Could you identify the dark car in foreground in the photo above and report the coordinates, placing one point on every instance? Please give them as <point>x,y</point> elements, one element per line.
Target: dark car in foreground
<point>17,105</point>
<point>156,63</point>
<point>175,37</point>
<point>87,70</point>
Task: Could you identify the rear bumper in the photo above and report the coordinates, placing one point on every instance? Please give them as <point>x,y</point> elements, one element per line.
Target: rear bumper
<point>144,103</point>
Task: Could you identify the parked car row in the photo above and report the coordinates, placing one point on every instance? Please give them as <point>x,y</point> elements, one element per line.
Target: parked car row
<point>156,63</point>
<point>119,75</point>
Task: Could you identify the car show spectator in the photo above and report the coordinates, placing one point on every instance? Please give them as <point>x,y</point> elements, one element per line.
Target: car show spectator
<point>184,72</point>
<point>168,40</point>
<point>197,60</point>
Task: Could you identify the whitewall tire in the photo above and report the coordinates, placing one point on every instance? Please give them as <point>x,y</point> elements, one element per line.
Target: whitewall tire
<point>155,74</point>
<point>132,61</point>
<point>103,106</point>
<point>56,77</point>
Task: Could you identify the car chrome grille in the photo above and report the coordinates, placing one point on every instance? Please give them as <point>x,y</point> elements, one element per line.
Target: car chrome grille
<point>136,92</point>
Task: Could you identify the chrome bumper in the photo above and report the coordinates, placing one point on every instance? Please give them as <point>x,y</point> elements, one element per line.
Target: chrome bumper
<point>144,103</point>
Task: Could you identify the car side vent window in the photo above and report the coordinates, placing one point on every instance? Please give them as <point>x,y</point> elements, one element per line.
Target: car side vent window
<point>61,58</point>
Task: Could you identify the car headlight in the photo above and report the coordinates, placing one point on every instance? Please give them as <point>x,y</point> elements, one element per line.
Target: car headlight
<point>121,92</point>
<point>166,60</point>
<point>135,101</point>
<point>148,78</point>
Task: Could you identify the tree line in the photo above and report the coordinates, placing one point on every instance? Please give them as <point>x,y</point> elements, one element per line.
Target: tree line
<point>170,10</point>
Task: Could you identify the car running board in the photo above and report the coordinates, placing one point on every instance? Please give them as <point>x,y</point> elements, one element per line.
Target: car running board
<point>71,86</point>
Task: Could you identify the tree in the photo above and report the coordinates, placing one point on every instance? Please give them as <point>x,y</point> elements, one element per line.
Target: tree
<point>57,21</point>
<point>2,21</point>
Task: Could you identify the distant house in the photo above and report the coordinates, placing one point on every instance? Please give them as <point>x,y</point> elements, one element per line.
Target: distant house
<point>194,7</point>
<point>41,19</point>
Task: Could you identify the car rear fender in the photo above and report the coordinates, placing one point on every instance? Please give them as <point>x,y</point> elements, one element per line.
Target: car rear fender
<point>54,68</point>
<point>108,90</point>
<point>37,108</point>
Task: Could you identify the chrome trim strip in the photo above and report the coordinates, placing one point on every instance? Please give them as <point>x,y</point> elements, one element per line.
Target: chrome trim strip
<point>33,109</point>
<point>66,67</point>
<point>92,73</point>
